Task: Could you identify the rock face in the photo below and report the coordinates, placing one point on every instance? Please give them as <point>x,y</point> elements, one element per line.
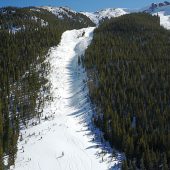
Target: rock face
<point>154,6</point>
<point>167,3</point>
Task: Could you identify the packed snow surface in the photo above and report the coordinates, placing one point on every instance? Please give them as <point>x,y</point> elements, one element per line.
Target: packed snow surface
<point>64,140</point>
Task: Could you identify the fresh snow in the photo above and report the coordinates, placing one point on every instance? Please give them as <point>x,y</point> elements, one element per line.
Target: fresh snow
<point>4,11</point>
<point>36,19</point>
<point>164,19</point>
<point>109,13</point>
<point>66,138</point>
<point>164,14</point>
<point>14,30</point>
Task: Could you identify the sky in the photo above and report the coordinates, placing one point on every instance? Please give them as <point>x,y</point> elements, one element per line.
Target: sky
<point>81,5</point>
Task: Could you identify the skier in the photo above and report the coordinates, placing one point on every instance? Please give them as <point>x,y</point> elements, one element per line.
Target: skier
<point>62,153</point>
<point>83,33</point>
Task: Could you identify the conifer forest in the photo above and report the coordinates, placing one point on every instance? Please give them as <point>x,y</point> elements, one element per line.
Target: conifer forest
<point>128,66</point>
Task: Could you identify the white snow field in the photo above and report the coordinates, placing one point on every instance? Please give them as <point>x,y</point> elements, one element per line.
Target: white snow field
<point>109,13</point>
<point>65,139</point>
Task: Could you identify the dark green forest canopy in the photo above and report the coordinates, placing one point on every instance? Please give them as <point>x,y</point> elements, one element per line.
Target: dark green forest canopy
<point>21,52</point>
<point>128,65</point>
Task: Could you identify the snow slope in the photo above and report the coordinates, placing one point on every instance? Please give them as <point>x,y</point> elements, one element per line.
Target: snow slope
<point>164,19</point>
<point>98,16</point>
<point>65,121</point>
<point>162,9</point>
<point>60,12</point>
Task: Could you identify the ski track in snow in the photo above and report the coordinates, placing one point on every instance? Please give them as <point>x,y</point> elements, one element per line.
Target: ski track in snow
<point>66,129</point>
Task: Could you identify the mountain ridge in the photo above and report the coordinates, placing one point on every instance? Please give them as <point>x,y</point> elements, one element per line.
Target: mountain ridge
<point>162,9</point>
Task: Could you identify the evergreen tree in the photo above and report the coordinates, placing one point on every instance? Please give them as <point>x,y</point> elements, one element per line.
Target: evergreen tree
<point>128,58</point>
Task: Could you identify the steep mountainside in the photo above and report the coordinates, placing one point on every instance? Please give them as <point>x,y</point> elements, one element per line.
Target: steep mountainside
<point>21,19</point>
<point>26,35</point>
<point>66,13</point>
<point>129,83</point>
<point>60,141</point>
<point>128,69</point>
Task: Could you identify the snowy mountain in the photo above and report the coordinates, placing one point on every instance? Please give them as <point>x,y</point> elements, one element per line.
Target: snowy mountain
<point>16,19</point>
<point>66,13</point>
<point>108,13</point>
<point>156,6</point>
<point>61,12</point>
<point>95,17</point>
<point>161,9</point>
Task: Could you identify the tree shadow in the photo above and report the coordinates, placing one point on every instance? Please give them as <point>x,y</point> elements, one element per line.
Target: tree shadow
<point>80,101</point>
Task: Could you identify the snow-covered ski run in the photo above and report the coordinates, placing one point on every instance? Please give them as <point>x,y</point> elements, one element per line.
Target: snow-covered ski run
<point>64,141</point>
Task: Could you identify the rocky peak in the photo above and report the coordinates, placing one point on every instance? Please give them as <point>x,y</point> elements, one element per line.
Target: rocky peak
<point>157,5</point>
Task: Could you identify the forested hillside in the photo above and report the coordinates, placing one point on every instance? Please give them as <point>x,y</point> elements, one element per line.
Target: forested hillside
<point>129,83</point>
<point>26,34</point>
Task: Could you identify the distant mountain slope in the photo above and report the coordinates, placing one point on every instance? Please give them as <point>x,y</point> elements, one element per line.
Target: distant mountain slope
<point>67,13</point>
<point>20,19</point>
<point>61,12</point>
<point>154,7</point>
<point>161,9</point>
<point>108,13</point>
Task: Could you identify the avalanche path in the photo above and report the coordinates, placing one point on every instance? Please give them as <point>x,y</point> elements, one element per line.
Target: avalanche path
<point>63,139</point>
